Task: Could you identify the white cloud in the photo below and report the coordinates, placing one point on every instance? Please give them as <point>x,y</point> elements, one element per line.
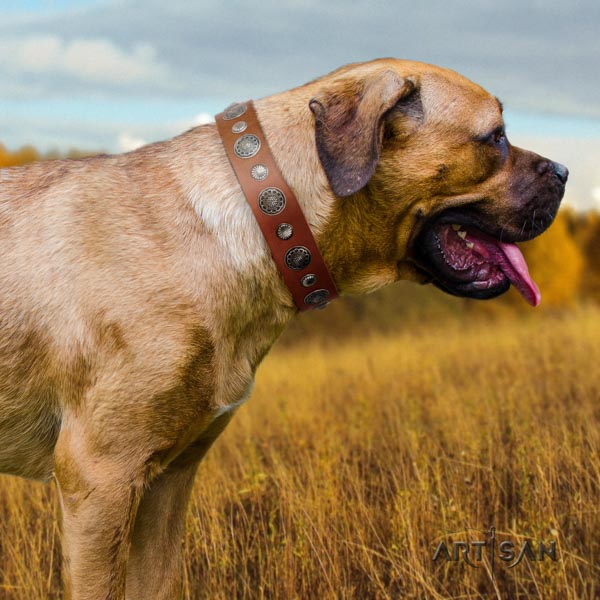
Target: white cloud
<point>127,142</point>
<point>96,60</point>
<point>178,126</point>
<point>596,197</point>
<point>202,119</point>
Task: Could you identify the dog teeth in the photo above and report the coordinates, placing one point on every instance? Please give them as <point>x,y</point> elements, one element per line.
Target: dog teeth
<point>456,227</point>
<point>461,234</point>
<point>470,245</point>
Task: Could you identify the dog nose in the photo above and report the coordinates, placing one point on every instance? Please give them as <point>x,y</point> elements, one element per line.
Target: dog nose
<point>561,172</point>
<point>548,166</point>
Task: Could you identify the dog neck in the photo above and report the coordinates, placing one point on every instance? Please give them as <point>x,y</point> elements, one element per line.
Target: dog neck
<point>275,208</point>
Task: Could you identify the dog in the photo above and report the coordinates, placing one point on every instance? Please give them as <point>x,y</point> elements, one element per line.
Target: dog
<point>138,295</point>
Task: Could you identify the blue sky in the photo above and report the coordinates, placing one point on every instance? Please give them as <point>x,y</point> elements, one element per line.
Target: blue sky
<point>111,74</point>
<point>18,6</point>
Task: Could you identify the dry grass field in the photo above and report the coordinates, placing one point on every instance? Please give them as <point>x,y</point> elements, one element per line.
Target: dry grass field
<point>355,458</point>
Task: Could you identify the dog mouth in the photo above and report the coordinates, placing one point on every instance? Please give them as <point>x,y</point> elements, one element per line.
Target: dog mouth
<point>463,260</point>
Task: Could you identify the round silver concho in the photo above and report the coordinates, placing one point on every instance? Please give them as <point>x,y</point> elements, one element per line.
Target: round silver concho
<point>239,127</point>
<point>309,280</point>
<point>259,172</point>
<point>297,258</point>
<point>247,146</point>
<point>316,297</point>
<point>234,111</point>
<point>285,231</point>
<point>271,201</point>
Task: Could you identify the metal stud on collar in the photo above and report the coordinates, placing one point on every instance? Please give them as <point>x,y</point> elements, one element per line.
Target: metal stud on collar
<point>297,258</point>
<point>271,201</point>
<point>317,297</point>
<point>239,127</point>
<point>285,231</point>
<point>259,172</point>
<point>309,280</point>
<point>234,111</point>
<point>247,146</point>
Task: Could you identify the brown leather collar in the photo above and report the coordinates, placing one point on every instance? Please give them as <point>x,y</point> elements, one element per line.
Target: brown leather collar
<point>275,207</point>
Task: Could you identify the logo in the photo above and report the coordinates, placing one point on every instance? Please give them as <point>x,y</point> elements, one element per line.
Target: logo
<point>509,552</point>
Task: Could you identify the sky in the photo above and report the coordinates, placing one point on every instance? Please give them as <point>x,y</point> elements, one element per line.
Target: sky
<point>113,74</point>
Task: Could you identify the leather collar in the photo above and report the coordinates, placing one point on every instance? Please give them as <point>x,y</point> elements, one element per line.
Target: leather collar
<point>276,208</point>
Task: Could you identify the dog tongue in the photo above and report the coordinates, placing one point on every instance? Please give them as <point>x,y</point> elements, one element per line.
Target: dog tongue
<point>510,260</point>
<point>516,270</point>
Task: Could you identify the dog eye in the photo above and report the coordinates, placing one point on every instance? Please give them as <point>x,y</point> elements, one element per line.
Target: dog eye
<point>499,137</point>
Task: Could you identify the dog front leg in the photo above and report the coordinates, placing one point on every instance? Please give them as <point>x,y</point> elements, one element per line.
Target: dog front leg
<point>100,495</point>
<point>155,565</point>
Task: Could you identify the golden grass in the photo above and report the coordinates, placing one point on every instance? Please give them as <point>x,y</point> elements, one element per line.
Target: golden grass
<point>353,459</point>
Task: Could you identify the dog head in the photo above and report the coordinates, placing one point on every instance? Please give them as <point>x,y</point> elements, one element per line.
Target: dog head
<point>427,185</point>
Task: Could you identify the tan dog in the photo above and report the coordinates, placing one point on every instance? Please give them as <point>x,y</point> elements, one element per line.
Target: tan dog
<point>137,295</point>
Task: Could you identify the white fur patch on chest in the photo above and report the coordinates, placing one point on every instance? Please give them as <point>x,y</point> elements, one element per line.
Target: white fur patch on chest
<point>229,218</point>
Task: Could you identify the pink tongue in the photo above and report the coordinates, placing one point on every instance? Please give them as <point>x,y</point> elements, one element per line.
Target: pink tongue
<point>516,270</point>
<point>509,259</point>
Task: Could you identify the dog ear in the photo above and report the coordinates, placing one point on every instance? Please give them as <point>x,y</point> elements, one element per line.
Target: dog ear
<point>349,124</point>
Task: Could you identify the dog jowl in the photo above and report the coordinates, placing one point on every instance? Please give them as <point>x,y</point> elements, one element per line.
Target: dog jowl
<point>138,295</point>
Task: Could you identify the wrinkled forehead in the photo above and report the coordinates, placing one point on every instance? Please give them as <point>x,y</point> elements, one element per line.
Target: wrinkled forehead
<point>454,100</point>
